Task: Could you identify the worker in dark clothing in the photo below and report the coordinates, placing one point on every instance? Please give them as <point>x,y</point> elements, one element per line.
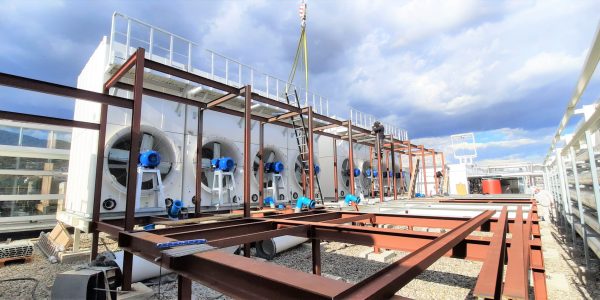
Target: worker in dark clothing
<point>379,132</point>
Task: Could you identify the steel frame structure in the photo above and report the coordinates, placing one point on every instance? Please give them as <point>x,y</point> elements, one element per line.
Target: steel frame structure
<point>242,277</point>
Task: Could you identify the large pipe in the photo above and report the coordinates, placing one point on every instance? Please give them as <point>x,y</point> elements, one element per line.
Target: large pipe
<point>268,249</point>
<point>304,201</point>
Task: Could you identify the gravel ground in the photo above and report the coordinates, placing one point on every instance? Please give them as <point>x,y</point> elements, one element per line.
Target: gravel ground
<point>448,278</point>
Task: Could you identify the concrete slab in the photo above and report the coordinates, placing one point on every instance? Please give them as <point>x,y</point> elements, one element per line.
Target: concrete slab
<point>139,291</point>
<point>365,253</point>
<point>383,256</point>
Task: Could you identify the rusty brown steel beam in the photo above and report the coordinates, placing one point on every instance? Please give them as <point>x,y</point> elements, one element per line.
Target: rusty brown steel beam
<point>45,87</point>
<point>287,115</point>
<point>192,227</point>
<point>261,165</point>
<point>516,285</point>
<point>22,117</point>
<point>134,151</point>
<point>246,278</point>
<point>223,232</point>
<point>351,158</point>
<point>161,95</point>
<point>387,282</point>
<point>224,98</point>
<point>489,281</point>
<point>275,103</point>
<point>123,69</point>
<point>247,158</point>
<point>98,180</point>
<point>300,230</point>
<point>324,127</point>
<point>350,219</point>
<point>184,288</point>
<point>311,156</point>
<point>335,170</point>
<point>150,64</point>
<point>198,166</point>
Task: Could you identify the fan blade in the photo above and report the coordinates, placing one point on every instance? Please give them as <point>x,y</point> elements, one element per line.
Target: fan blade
<point>271,156</point>
<point>118,155</point>
<point>216,150</point>
<point>147,142</point>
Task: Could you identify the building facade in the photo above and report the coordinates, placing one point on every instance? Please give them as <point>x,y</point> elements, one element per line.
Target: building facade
<point>34,161</point>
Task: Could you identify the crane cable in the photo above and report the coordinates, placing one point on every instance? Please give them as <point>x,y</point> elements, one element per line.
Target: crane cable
<point>301,51</point>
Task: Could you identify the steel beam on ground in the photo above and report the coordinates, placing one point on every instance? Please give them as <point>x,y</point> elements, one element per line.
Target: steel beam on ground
<point>489,281</point>
<point>218,233</point>
<point>387,282</point>
<point>246,278</point>
<point>350,219</point>
<point>516,285</point>
<point>300,230</point>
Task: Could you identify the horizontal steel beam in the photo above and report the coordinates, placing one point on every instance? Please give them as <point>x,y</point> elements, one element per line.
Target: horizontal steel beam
<point>225,98</point>
<point>385,283</point>
<point>20,117</point>
<point>39,86</point>
<point>123,69</point>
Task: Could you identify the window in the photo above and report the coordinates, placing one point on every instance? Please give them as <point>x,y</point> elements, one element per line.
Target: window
<point>24,208</point>
<point>9,135</point>
<point>35,138</point>
<point>63,140</point>
<point>8,163</point>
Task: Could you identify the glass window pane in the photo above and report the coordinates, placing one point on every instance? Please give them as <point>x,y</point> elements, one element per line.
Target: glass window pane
<point>9,135</point>
<point>35,138</point>
<point>63,140</point>
<point>7,162</point>
<point>28,163</point>
<point>24,208</point>
<point>61,165</point>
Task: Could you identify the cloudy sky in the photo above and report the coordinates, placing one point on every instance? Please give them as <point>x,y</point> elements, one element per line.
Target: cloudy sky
<point>504,70</point>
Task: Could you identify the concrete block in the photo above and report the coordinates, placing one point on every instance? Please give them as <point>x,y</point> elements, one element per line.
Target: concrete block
<point>383,256</point>
<point>330,276</point>
<point>138,292</point>
<point>71,257</point>
<point>365,253</point>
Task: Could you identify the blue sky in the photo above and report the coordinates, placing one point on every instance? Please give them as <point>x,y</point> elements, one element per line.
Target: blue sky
<point>504,70</point>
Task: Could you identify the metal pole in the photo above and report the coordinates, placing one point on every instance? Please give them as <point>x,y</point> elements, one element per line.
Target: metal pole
<point>351,158</point>
<point>380,175</point>
<point>98,179</point>
<point>311,159</point>
<point>565,193</point>
<point>410,162</point>
<point>372,168</point>
<point>387,171</point>
<point>134,150</point>
<point>184,288</point>
<point>261,166</point>
<point>424,170</point>
<point>198,204</point>
<point>247,160</point>
<point>435,178</point>
<point>394,180</point>
<point>580,207</point>
<point>316,256</point>
<point>335,170</point>
<point>593,169</point>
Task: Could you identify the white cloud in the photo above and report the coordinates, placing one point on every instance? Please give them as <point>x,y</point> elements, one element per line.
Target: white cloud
<point>547,64</point>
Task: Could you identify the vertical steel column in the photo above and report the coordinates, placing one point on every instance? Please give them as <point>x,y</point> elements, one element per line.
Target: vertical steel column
<point>424,166</point>
<point>380,175</point>
<point>261,166</point>
<point>316,256</point>
<point>565,193</point>
<point>402,180</point>
<point>184,288</point>
<point>580,208</point>
<point>394,180</point>
<point>311,158</point>
<point>247,160</point>
<point>372,192</point>
<point>593,170</point>
<point>134,150</point>
<point>351,158</point>
<point>410,163</point>
<point>435,178</point>
<point>335,170</point>
<point>98,179</point>
<point>387,171</point>
<point>198,204</point>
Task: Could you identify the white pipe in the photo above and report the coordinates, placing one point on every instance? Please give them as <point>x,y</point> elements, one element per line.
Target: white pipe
<point>270,248</point>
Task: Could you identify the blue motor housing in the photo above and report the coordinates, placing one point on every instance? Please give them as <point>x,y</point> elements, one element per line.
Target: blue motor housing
<point>368,172</point>
<point>317,169</point>
<point>350,199</point>
<point>375,173</point>
<point>304,201</point>
<point>149,159</point>
<point>225,164</point>
<point>175,208</point>
<point>274,167</point>
<point>356,172</point>
<point>269,201</point>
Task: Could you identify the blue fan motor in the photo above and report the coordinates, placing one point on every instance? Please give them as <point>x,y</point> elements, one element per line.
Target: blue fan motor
<point>149,159</point>
<point>317,169</point>
<point>224,164</point>
<point>274,167</point>
<point>356,172</point>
